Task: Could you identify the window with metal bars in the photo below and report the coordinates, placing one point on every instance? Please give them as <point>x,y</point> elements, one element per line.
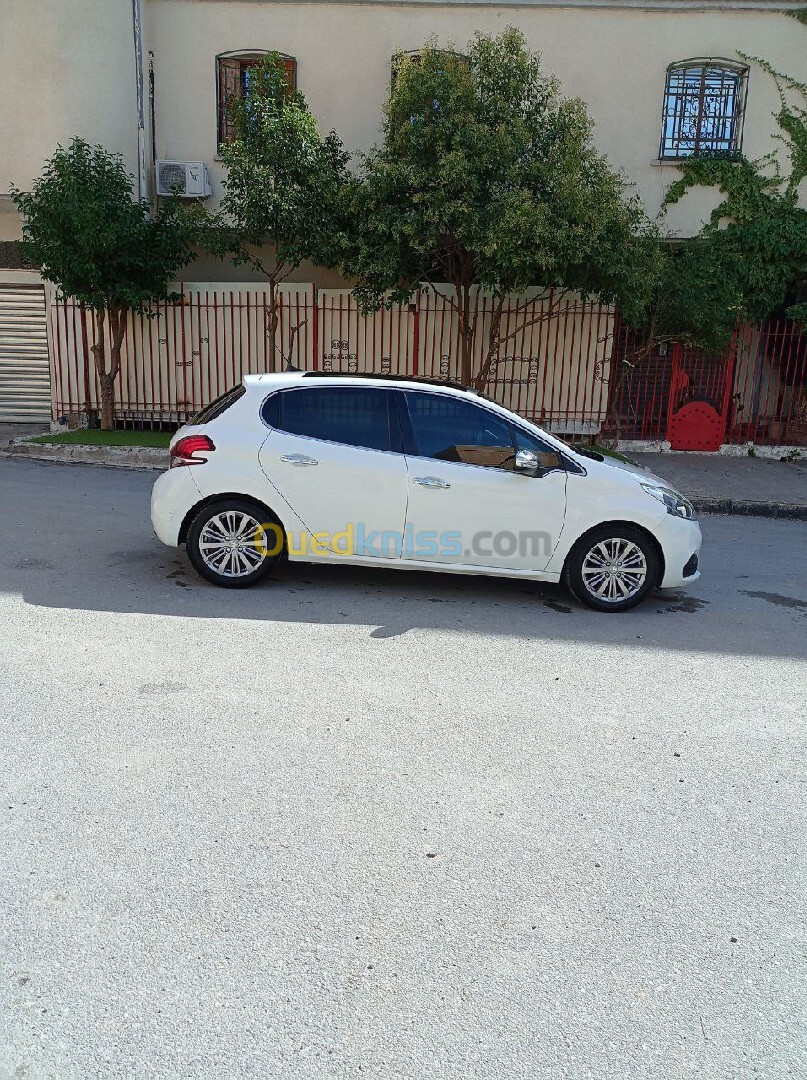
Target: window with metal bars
<point>415,56</point>
<point>232,82</point>
<point>704,101</point>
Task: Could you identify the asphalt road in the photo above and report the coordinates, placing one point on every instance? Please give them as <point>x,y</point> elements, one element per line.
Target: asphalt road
<point>360,823</point>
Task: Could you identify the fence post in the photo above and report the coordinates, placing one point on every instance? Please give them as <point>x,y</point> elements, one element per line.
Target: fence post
<point>315,328</point>
<point>728,382</point>
<point>86,350</point>
<point>415,310</point>
<point>674,387</point>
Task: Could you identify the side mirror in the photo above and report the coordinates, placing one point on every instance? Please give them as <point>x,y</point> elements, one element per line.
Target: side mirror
<point>527,463</point>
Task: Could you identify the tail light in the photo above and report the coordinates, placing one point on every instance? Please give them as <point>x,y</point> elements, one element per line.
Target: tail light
<point>184,452</point>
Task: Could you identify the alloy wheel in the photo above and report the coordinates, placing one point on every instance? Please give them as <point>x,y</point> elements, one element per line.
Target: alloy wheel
<point>232,544</point>
<point>614,570</point>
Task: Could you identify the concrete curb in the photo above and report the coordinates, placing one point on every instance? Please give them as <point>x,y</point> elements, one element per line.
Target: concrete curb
<point>121,457</point>
<point>750,508</point>
<point>785,452</point>
<point>156,460</point>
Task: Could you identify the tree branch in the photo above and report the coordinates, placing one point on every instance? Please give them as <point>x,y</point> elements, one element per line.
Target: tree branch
<point>543,317</point>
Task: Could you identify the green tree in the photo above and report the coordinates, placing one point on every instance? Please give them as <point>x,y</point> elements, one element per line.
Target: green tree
<point>281,203</point>
<point>688,299</point>
<point>96,243</point>
<point>487,178</point>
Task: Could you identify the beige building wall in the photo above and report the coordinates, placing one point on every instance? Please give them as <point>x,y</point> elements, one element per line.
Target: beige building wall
<point>67,68</point>
<point>614,57</point>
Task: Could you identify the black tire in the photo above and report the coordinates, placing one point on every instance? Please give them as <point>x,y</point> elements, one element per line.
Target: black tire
<point>212,520</point>
<point>582,580</point>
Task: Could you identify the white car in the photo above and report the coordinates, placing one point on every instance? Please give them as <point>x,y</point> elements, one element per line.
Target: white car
<point>406,473</point>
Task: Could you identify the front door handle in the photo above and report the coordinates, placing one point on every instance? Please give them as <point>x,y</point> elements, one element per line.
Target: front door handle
<point>431,482</point>
<point>299,459</point>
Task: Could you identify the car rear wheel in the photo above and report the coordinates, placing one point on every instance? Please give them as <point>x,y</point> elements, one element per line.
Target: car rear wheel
<point>612,568</point>
<point>234,543</point>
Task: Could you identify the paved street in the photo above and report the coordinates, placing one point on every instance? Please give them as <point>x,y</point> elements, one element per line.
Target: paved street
<point>361,823</point>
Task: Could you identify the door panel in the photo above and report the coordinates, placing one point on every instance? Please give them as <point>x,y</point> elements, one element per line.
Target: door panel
<point>484,517</point>
<point>351,499</point>
<point>466,504</point>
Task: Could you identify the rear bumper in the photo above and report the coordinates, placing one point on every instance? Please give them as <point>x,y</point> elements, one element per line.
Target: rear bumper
<point>681,543</point>
<point>174,494</point>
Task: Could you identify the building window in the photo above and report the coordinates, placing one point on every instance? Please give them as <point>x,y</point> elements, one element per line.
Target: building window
<point>704,102</point>
<point>232,79</point>
<point>415,57</point>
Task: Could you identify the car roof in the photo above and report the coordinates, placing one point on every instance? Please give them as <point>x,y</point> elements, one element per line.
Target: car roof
<point>336,378</point>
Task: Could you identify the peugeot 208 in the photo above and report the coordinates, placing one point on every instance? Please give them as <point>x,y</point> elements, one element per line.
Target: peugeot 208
<point>404,473</point>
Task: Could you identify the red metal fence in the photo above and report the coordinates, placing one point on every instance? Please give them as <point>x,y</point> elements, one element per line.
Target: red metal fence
<point>552,368</point>
<point>561,362</point>
<point>753,392</point>
<point>769,399</point>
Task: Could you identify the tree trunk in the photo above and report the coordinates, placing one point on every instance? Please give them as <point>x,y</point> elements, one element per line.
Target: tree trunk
<point>626,366</point>
<point>467,327</point>
<point>106,378</point>
<point>494,335</point>
<point>107,403</point>
<point>293,332</point>
<point>98,349</point>
<point>613,415</point>
<point>272,320</point>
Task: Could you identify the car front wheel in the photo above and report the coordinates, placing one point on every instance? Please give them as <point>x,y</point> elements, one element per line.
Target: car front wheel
<point>234,543</point>
<point>612,568</point>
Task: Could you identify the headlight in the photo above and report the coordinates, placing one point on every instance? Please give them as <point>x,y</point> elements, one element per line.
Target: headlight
<point>676,504</point>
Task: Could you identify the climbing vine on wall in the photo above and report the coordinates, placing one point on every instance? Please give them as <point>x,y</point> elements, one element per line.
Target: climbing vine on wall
<point>758,231</point>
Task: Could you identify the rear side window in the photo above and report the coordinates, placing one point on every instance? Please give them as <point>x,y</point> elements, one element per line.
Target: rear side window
<point>352,415</point>
<point>217,407</point>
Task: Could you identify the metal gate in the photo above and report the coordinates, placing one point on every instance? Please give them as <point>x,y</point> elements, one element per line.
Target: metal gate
<point>24,363</point>
<point>700,395</point>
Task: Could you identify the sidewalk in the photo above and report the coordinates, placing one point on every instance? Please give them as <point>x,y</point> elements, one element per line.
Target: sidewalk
<point>20,431</point>
<point>14,443</point>
<point>729,485</point>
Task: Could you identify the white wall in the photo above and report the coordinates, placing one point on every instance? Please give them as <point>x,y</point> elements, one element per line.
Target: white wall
<point>66,68</point>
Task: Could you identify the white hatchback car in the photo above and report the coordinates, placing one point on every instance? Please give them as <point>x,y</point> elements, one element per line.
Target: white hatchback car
<point>379,471</point>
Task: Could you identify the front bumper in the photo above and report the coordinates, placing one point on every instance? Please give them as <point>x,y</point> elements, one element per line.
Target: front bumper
<point>174,495</point>
<point>680,541</point>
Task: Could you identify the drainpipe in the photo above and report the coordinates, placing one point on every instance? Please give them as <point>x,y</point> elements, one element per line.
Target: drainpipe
<point>137,22</point>
<point>152,112</point>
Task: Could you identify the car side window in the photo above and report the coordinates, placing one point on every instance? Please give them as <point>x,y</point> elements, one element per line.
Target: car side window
<point>450,429</point>
<point>548,456</point>
<point>352,415</point>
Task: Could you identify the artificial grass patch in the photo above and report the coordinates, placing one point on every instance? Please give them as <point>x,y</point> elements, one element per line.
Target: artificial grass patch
<point>96,437</point>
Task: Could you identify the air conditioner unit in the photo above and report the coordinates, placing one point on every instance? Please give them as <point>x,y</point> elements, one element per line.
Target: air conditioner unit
<point>188,179</point>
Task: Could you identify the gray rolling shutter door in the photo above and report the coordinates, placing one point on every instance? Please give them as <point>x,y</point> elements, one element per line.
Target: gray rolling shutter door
<point>24,364</point>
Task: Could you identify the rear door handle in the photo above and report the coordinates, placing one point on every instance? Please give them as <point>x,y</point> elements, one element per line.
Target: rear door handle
<point>298,459</point>
<point>431,482</point>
